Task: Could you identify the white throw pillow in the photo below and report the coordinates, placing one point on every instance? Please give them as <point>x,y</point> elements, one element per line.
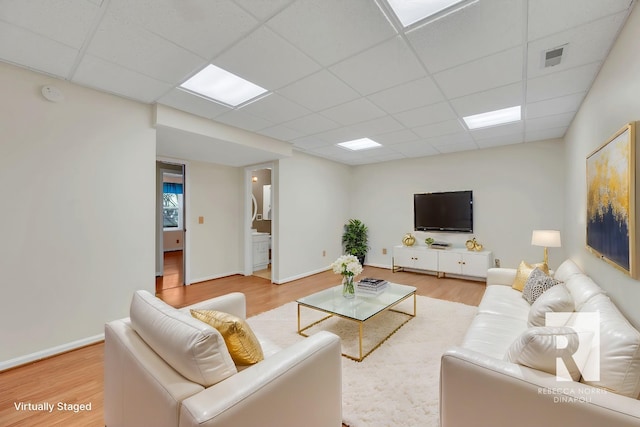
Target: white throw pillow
<point>556,299</point>
<point>541,347</point>
<point>191,347</point>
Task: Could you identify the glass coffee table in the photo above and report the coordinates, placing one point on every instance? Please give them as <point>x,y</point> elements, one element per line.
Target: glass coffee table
<point>360,309</point>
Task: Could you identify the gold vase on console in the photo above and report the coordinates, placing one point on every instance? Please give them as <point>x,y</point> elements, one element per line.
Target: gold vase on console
<point>408,239</point>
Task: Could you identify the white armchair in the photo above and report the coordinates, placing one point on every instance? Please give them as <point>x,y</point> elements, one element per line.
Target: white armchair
<point>299,385</point>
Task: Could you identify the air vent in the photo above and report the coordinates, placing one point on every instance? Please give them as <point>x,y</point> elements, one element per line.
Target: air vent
<point>553,56</point>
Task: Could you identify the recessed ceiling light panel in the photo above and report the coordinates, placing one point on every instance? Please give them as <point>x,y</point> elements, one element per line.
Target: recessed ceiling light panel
<point>411,11</point>
<point>222,86</point>
<point>494,118</point>
<point>359,144</point>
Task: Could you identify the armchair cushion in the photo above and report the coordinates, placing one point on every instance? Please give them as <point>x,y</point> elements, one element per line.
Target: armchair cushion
<point>191,347</point>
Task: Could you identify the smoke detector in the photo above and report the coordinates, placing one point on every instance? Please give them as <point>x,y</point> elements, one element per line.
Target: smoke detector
<point>553,57</point>
<point>52,93</point>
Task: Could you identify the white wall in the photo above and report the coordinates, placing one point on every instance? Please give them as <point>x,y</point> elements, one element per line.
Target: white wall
<point>78,212</point>
<point>613,101</point>
<point>516,189</point>
<point>312,199</point>
<point>215,247</point>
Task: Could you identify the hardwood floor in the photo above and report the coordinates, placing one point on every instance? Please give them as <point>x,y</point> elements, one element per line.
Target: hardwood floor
<point>76,377</point>
<point>173,274</point>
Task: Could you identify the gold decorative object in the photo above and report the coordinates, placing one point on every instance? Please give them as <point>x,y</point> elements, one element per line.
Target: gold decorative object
<point>408,239</point>
<point>473,245</point>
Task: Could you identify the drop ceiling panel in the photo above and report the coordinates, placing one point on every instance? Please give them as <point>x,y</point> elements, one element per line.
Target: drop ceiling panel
<point>585,44</point>
<point>415,149</point>
<point>516,129</point>
<point>562,83</point>
<point>560,105</point>
<point>244,120</point>
<point>438,129</point>
<point>263,9</point>
<point>112,78</point>
<point>426,115</point>
<point>490,100</point>
<point>481,29</point>
<point>319,91</point>
<point>455,147</point>
<point>189,24</point>
<point>550,122</point>
<point>332,30</point>
<point>388,64</point>
<point>497,141</point>
<point>193,104</point>
<point>407,96</point>
<point>483,74</point>
<point>397,137</point>
<point>135,48</point>
<point>455,139</point>
<point>353,112</point>
<point>281,132</point>
<point>266,59</point>
<point>276,109</point>
<point>541,135</point>
<point>311,124</point>
<point>35,52</point>
<point>552,16</point>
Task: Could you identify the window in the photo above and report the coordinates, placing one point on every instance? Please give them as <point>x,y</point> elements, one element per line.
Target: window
<point>172,199</point>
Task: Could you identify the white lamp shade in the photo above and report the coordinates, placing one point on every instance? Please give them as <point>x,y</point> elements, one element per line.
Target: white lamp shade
<point>546,238</point>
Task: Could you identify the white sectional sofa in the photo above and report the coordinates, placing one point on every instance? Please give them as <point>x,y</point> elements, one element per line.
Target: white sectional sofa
<point>165,368</point>
<point>493,378</point>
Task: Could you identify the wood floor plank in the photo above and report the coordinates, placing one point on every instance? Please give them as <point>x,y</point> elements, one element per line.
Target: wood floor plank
<point>77,376</point>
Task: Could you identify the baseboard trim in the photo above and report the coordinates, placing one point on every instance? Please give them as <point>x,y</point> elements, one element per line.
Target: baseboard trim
<point>300,276</point>
<point>49,352</point>
<point>216,276</point>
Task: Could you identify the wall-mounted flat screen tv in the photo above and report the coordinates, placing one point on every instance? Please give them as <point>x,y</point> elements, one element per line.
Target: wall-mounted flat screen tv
<point>447,211</point>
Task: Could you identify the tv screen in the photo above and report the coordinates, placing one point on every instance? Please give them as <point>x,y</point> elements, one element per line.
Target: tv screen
<point>448,211</point>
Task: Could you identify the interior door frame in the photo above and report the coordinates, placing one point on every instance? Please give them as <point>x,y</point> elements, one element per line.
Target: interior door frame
<point>186,221</point>
<point>248,238</point>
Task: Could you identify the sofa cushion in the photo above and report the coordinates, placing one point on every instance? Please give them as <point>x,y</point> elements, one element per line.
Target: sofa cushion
<point>540,347</point>
<point>492,334</point>
<point>567,269</point>
<point>194,349</point>
<point>619,350</point>
<point>582,288</point>
<point>241,342</point>
<point>555,299</point>
<point>523,272</point>
<point>505,301</point>
<point>537,283</point>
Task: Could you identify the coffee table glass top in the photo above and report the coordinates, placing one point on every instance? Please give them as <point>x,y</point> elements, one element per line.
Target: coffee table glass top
<point>360,308</point>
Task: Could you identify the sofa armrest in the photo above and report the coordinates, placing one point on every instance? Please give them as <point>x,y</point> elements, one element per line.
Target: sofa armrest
<point>501,276</point>
<point>483,391</point>
<point>233,303</point>
<point>299,386</point>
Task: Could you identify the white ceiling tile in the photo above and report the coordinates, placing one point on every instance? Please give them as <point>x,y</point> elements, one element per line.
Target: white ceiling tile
<point>541,135</point>
<point>353,112</point>
<point>562,83</point>
<point>481,29</point>
<point>266,59</point>
<point>483,74</point>
<point>496,131</point>
<point>407,96</point>
<point>439,129</point>
<point>193,104</point>
<point>562,104</point>
<point>311,124</point>
<point>262,9</point>
<point>455,147</point>
<point>319,91</point>
<point>189,24</point>
<point>585,44</point>
<point>397,137</point>
<point>426,115</point>
<point>490,100</point>
<point>460,138</point>
<point>551,16</point>
<point>310,142</point>
<point>112,78</point>
<point>135,48</point>
<point>373,128</point>
<point>388,64</point>
<point>244,120</point>
<point>281,132</point>
<point>415,149</point>
<point>65,21</point>
<point>498,141</point>
<point>550,122</point>
<point>35,52</point>
<point>275,109</point>
<point>331,30</point>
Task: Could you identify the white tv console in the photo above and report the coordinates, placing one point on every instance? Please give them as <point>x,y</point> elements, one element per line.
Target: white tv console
<point>452,260</point>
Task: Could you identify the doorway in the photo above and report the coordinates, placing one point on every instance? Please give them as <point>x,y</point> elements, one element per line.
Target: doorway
<point>259,253</point>
<point>171,227</point>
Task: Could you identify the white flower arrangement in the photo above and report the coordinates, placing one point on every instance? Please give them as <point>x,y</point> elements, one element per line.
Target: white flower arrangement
<point>347,265</point>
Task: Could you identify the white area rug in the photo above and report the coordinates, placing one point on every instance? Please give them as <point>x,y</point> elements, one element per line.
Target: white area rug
<point>397,384</point>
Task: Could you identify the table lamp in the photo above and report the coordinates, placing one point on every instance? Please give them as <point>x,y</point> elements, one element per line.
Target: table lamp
<point>547,239</point>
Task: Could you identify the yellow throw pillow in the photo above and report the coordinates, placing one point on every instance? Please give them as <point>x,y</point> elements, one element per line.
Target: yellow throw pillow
<point>524,270</point>
<point>242,343</point>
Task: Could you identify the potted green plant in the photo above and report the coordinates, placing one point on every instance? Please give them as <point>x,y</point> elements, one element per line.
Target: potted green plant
<point>355,239</point>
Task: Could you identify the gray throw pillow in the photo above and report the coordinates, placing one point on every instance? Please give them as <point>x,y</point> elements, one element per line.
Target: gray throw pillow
<point>536,284</point>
